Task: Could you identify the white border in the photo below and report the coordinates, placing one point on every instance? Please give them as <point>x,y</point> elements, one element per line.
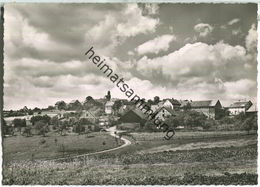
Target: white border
<point>154,1</point>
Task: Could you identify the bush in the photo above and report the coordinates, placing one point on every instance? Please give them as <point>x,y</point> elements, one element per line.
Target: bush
<point>209,123</point>
<point>249,123</point>
<point>19,122</point>
<point>46,119</point>
<point>227,120</point>
<point>42,127</point>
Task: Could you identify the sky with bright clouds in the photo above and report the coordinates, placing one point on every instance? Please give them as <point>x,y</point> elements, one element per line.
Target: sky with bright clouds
<point>182,51</point>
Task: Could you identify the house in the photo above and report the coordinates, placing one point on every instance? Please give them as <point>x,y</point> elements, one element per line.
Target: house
<point>135,116</point>
<point>109,107</point>
<point>176,104</point>
<point>163,113</point>
<point>126,106</point>
<point>155,107</point>
<point>211,108</point>
<point>168,103</point>
<point>238,107</point>
<point>89,116</point>
<point>252,111</point>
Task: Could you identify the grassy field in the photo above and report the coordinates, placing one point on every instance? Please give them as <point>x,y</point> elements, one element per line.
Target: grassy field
<point>183,161</point>
<point>19,148</point>
<point>182,134</point>
<point>235,165</point>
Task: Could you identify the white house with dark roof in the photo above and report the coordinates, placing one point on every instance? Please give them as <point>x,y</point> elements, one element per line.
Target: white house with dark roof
<point>238,107</point>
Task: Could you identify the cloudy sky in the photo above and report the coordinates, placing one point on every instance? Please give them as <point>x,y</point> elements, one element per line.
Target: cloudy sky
<point>182,51</point>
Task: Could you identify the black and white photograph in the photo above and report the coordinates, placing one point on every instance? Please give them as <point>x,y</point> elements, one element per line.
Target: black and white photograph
<point>129,94</point>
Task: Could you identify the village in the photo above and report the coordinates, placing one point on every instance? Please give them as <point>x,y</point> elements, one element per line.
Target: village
<point>100,114</point>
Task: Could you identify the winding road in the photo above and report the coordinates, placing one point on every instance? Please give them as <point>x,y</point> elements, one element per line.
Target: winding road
<point>113,132</point>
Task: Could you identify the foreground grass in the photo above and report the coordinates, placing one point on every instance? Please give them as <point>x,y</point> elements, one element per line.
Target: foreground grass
<point>20,148</point>
<point>224,165</point>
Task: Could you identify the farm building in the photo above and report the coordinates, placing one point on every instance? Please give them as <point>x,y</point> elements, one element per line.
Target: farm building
<point>238,107</point>
<point>89,116</point>
<point>211,108</point>
<point>133,116</point>
<point>163,113</point>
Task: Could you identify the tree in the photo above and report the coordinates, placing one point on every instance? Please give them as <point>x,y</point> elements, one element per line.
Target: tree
<point>240,117</point>
<point>150,126</point>
<point>89,98</point>
<point>42,127</point>
<point>174,121</point>
<point>75,105</point>
<point>61,105</point>
<point>149,102</point>
<point>249,123</point>
<point>36,109</point>
<point>27,131</point>
<point>117,105</point>
<point>194,119</point>
<point>62,129</point>
<point>30,112</point>
<point>45,119</point>
<point>50,107</point>
<point>79,128</point>
<point>208,123</point>
<point>156,99</point>
<point>187,107</point>
<point>54,121</point>
<point>19,123</point>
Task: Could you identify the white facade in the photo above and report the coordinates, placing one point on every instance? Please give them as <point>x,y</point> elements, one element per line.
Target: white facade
<point>108,107</point>
<point>236,111</point>
<point>163,114</point>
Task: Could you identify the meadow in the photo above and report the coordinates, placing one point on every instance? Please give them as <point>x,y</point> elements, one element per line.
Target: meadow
<point>188,163</point>
<point>18,148</point>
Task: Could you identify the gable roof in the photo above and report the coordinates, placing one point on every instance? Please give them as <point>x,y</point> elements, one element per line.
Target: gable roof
<point>205,103</point>
<point>252,108</point>
<point>175,102</point>
<point>240,104</point>
<point>171,111</point>
<point>89,114</point>
<point>139,113</point>
<point>183,103</point>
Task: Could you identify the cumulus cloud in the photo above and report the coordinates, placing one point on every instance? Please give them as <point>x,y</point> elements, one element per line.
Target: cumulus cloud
<point>203,29</point>
<point>189,60</point>
<point>208,69</point>
<point>161,43</point>
<point>151,9</point>
<point>251,39</point>
<point>115,28</point>
<point>233,21</point>
<point>45,62</point>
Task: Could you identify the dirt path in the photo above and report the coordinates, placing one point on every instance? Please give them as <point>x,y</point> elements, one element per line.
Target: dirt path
<point>113,132</point>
